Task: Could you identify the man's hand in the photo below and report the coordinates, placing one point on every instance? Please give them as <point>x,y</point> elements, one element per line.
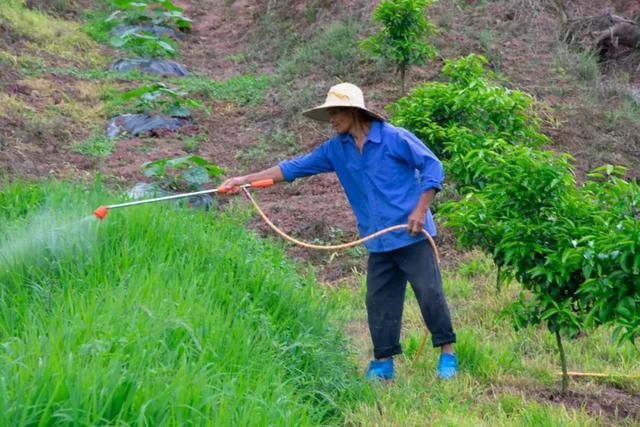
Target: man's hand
<point>416,221</point>
<point>417,217</point>
<point>232,185</point>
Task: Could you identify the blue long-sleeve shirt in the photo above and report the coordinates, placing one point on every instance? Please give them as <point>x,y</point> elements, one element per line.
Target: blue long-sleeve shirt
<point>383,183</point>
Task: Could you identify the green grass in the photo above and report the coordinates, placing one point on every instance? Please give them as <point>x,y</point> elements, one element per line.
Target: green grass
<point>97,146</point>
<point>270,147</point>
<point>157,316</point>
<point>46,35</point>
<point>500,369</point>
<point>579,66</point>
<point>248,89</point>
<point>334,52</point>
<point>240,90</point>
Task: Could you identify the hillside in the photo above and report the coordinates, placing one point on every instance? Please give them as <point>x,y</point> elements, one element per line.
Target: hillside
<point>56,93</point>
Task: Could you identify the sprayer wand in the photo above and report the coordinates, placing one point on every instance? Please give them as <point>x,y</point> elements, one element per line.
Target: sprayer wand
<point>102,211</point>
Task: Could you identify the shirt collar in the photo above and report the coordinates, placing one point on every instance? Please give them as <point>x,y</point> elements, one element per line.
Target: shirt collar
<point>375,133</point>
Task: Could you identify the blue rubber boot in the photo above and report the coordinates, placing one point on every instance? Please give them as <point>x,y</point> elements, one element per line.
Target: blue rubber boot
<point>381,370</point>
<point>447,366</point>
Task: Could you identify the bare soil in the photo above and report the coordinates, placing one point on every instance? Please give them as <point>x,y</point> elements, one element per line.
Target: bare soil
<point>606,402</point>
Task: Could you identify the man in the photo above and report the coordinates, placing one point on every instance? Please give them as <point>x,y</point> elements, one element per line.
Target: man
<point>390,178</point>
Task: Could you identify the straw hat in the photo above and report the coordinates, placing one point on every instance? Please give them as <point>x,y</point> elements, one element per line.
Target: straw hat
<point>341,95</point>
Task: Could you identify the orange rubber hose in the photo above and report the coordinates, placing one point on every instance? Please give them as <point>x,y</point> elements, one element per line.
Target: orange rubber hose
<point>345,246</point>
<point>336,247</point>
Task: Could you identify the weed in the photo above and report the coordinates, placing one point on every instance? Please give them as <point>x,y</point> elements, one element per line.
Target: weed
<point>293,99</point>
<point>98,145</point>
<point>626,112</point>
<point>191,144</point>
<point>582,66</point>
<point>478,266</point>
<point>238,58</point>
<point>9,104</point>
<point>51,6</point>
<point>272,37</point>
<point>487,39</point>
<point>97,25</point>
<point>8,59</point>
<point>270,147</point>
<point>244,90</point>
<point>446,18</point>
<point>101,74</point>
<point>32,65</point>
<point>333,53</point>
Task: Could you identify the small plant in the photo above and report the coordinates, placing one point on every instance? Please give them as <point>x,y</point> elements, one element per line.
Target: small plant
<point>155,12</point>
<point>144,43</point>
<point>155,97</point>
<point>191,144</point>
<point>182,173</point>
<point>403,35</point>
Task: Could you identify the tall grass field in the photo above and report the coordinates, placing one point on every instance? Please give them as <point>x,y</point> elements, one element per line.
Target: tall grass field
<point>158,315</point>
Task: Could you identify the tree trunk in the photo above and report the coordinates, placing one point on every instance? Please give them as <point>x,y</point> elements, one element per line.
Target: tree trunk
<point>403,71</point>
<point>563,362</point>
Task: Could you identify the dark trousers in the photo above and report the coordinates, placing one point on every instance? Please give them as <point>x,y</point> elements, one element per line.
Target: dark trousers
<point>387,277</point>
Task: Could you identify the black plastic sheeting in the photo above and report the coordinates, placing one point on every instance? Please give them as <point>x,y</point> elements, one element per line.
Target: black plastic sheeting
<point>158,30</point>
<point>202,201</point>
<point>138,124</point>
<point>150,66</point>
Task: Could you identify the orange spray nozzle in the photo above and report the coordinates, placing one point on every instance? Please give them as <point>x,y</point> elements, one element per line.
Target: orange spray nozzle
<point>101,212</point>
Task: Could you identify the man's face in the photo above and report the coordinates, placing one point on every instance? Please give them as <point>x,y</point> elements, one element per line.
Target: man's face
<point>341,118</point>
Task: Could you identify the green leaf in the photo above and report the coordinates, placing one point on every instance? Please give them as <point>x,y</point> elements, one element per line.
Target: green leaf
<point>166,46</point>
<point>179,111</point>
<point>195,177</point>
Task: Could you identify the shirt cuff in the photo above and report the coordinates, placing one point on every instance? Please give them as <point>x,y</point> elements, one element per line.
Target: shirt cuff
<point>286,171</point>
<point>428,185</point>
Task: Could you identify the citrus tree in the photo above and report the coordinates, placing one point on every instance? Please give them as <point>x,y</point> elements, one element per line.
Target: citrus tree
<point>403,36</point>
<point>575,250</point>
